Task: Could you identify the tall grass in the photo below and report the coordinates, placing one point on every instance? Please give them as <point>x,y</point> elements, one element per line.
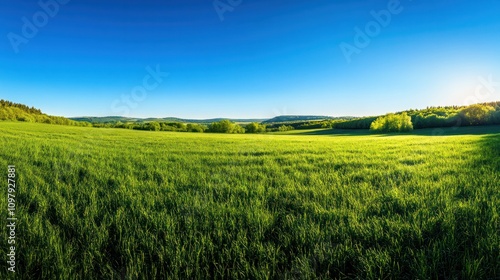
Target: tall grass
<point>118,204</point>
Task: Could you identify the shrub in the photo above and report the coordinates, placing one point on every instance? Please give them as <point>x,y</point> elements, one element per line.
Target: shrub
<point>285,128</point>
<point>225,126</point>
<point>255,128</point>
<point>154,126</point>
<point>193,127</point>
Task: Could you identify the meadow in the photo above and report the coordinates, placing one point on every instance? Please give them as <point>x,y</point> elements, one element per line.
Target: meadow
<point>121,204</point>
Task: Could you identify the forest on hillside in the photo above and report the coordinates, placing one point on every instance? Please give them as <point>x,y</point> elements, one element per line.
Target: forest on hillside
<point>431,117</point>
<point>10,111</point>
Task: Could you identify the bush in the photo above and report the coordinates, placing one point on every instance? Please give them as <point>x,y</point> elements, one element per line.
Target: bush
<point>255,128</point>
<point>193,127</point>
<point>225,126</point>
<point>153,126</point>
<point>392,123</point>
<point>285,128</point>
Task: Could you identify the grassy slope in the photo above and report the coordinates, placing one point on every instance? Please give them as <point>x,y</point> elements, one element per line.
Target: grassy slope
<point>107,203</point>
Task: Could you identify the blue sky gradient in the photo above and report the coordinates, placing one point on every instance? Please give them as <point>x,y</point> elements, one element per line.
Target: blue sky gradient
<point>265,58</point>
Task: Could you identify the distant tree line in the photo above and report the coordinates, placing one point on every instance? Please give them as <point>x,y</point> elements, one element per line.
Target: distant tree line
<point>316,124</point>
<point>30,110</point>
<point>431,117</point>
<point>162,126</point>
<point>361,123</point>
<point>10,111</point>
<point>223,126</point>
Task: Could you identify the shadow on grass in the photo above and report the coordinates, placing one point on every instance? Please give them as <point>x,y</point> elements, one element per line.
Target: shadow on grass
<point>446,131</point>
<point>475,221</point>
<point>490,151</point>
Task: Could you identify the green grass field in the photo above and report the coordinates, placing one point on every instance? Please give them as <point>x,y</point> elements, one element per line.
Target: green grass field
<point>119,204</point>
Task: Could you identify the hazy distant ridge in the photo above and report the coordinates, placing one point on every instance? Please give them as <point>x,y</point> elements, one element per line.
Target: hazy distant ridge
<point>278,119</point>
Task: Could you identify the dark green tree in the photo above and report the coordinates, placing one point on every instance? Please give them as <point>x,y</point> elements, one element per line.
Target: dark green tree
<point>255,128</point>
<point>225,126</point>
<point>476,114</point>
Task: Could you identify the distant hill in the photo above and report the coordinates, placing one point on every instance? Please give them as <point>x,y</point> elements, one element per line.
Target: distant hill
<point>285,119</point>
<point>299,120</point>
<point>11,111</point>
<point>20,112</point>
<point>444,116</point>
<point>110,119</point>
<point>114,119</point>
<point>275,120</point>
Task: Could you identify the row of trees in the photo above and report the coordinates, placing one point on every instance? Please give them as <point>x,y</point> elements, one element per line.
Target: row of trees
<point>431,117</point>
<point>479,114</point>
<point>19,112</point>
<point>361,123</point>
<point>453,116</point>
<point>224,126</point>
<point>162,126</point>
<point>25,114</point>
<point>227,126</point>
<point>22,107</point>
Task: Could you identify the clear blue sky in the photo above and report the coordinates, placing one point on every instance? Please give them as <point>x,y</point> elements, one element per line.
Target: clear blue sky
<point>265,58</point>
